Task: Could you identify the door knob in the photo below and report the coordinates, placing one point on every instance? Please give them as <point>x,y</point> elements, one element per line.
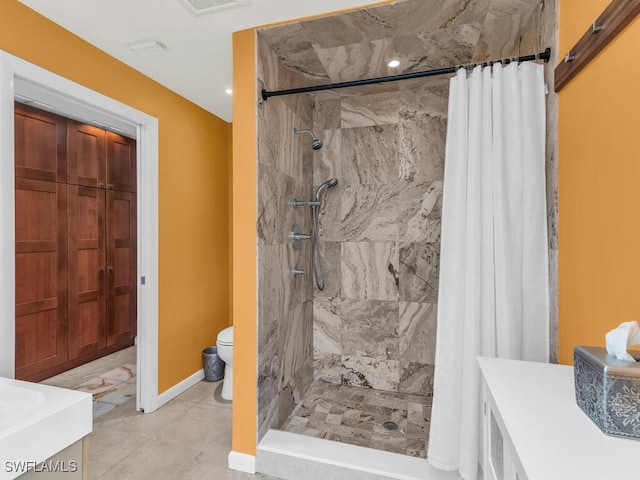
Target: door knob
<point>101,269</point>
<point>110,185</point>
<point>111,269</point>
<point>101,185</point>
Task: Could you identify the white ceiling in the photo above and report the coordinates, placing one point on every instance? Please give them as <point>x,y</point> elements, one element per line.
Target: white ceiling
<point>199,63</point>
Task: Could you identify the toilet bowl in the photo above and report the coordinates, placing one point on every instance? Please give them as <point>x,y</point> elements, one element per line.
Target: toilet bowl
<point>225,352</point>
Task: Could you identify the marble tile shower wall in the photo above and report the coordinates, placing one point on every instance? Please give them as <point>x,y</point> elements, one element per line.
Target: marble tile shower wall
<point>285,325</point>
<point>375,321</point>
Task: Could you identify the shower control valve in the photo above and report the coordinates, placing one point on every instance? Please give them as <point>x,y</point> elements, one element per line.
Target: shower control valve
<point>296,236</point>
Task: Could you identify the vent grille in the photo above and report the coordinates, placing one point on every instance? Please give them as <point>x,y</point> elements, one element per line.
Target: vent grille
<point>147,48</point>
<point>200,7</point>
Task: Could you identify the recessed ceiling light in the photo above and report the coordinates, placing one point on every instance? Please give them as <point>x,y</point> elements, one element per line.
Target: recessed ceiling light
<point>147,48</point>
<point>394,63</point>
<point>228,91</point>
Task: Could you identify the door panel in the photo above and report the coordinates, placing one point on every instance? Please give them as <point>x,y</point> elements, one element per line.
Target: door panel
<point>75,243</point>
<point>121,163</point>
<point>34,348</point>
<point>121,270</point>
<point>40,144</point>
<point>41,276</point>
<point>87,267</point>
<point>86,155</point>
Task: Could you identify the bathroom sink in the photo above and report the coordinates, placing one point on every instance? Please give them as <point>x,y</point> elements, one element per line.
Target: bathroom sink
<point>37,421</point>
<point>17,403</point>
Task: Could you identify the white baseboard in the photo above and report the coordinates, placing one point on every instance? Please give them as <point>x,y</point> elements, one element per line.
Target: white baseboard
<point>178,388</point>
<point>242,462</point>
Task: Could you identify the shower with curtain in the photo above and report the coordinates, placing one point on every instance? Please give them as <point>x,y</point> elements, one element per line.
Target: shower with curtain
<point>347,344</point>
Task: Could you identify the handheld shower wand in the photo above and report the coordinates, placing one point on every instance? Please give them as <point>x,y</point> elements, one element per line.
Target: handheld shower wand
<point>316,257</point>
<point>332,182</point>
<point>315,204</point>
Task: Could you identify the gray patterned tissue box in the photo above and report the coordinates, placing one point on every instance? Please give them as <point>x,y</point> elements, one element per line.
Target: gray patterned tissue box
<point>608,390</point>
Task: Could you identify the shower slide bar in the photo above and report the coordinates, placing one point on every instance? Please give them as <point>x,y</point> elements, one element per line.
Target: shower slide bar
<point>546,55</point>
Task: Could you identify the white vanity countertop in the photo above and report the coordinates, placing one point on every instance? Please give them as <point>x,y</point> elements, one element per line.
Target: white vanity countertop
<point>552,437</point>
<point>37,421</point>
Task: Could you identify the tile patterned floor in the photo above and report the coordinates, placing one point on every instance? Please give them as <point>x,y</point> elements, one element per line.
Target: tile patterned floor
<point>356,416</point>
<point>188,438</point>
<point>111,380</point>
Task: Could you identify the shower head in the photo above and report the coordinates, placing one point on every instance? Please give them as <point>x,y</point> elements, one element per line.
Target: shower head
<point>316,143</point>
<point>332,182</point>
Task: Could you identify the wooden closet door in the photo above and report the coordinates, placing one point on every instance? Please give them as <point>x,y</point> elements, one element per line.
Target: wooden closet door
<point>121,268</point>
<point>40,144</point>
<point>41,277</point>
<point>121,163</point>
<point>87,272</point>
<point>86,164</point>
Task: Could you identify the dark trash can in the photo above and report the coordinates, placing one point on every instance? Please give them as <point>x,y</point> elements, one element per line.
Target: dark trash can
<point>213,364</point>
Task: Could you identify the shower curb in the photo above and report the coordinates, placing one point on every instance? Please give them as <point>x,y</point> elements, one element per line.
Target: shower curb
<point>291,457</point>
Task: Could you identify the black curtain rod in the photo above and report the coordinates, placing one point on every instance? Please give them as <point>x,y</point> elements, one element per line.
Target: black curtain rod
<point>546,55</point>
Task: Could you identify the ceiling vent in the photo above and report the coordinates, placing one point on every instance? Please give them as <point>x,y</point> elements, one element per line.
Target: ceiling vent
<point>200,7</point>
<point>147,48</point>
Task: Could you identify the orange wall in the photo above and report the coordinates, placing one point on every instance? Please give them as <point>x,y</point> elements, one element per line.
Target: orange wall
<point>193,173</point>
<point>599,185</point>
<point>244,242</point>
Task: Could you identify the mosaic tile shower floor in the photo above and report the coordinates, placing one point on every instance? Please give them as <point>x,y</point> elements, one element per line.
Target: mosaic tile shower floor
<point>356,416</point>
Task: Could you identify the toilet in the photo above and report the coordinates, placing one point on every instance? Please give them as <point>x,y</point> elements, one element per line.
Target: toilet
<point>225,352</point>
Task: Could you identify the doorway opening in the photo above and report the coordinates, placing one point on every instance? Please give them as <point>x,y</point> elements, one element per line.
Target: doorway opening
<point>21,78</point>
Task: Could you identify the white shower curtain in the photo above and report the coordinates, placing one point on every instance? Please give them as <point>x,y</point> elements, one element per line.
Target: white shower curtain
<point>493,296</point>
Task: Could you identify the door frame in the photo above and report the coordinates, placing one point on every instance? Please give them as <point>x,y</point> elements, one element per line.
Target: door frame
<point>146,126</point>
